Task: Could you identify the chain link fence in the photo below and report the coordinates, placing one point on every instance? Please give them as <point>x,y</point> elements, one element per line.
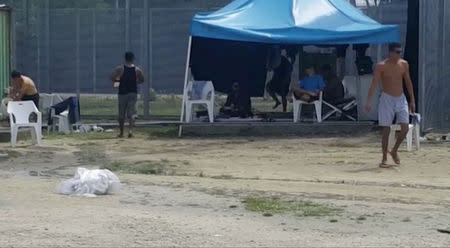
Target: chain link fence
<point>72,48</point>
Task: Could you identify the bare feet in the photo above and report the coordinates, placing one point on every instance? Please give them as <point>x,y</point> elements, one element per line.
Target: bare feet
<point>395,157</point>
<point>384,165</point>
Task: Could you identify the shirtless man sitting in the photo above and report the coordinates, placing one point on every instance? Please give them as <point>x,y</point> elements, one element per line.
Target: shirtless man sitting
<point>392,72</point>
<point>23,89</point>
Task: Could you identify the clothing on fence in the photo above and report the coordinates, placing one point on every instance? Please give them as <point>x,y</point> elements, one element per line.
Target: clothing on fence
<point>72,104</point>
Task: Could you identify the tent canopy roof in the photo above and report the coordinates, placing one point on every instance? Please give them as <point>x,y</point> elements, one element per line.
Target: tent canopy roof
<point>309,22</point>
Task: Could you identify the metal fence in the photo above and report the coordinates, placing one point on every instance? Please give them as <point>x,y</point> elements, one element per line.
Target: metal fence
<point>434,64</point>
<point>74,50</point>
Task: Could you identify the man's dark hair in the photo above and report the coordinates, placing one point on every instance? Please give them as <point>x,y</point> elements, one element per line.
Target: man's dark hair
<point>129,57</point>
<point>16,74</point>
<point>394,46</point>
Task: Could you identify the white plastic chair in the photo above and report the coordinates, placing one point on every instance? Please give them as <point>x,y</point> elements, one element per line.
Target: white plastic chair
<point>61,121</point>
<point>199,93</point>
<point>19,114</point>
<point>297,107</point>
<point>413,135</point>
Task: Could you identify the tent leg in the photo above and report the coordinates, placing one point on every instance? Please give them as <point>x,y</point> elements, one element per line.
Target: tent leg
<point>186,77</point>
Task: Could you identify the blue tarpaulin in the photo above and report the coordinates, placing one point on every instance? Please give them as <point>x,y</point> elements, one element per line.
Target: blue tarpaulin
<point>312,22</point>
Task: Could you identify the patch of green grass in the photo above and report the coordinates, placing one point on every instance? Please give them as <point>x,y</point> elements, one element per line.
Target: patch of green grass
<point>162,132</point>
<point>163,105</point>
<point>268,206</point>
<point>141,167</point>
<point>90,154</point>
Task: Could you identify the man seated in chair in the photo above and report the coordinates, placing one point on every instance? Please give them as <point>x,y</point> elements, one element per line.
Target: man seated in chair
<point>309,88</point>
<point>334,90</point>
<point>23,89</point>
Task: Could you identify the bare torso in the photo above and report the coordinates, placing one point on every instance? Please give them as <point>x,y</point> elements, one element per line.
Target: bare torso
<point>392,74</point>
<point>24,88</point>
<point>28,87</point>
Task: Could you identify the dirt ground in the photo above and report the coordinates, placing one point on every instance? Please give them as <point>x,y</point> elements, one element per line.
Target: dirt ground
<point>194,194</point>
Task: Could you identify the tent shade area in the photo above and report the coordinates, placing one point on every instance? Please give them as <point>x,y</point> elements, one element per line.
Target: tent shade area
<point>234,43</point>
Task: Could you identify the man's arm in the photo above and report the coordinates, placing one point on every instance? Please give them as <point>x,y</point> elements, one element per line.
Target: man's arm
<point>116,74</point>
<point>15,92</point>
<point>139,76</point>
<point>11,91</point>
<point>409,87</point>
<point>300,90</point>
<point>375,81</point>
<point>322,86</point>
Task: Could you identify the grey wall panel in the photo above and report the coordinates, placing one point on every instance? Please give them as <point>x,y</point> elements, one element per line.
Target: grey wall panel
<point>434,60</point>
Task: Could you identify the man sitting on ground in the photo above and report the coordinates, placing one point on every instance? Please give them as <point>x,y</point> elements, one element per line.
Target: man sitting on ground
<point>309,88</point>
<point>23,89</point>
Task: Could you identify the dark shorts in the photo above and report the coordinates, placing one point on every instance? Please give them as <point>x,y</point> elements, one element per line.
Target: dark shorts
<point>279,86</point>
<point>34,98</point>
<point>127,106</point>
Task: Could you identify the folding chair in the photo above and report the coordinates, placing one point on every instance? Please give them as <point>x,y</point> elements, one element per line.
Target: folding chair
<point>199,93</point>
<point>19,116</point>
<point>343,106</point>
<point>297,107</point>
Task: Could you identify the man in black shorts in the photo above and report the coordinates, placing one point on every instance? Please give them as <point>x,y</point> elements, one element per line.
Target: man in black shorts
<point>126,78</point>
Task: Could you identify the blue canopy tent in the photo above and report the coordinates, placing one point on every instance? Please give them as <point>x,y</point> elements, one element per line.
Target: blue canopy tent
<point>295,22</point>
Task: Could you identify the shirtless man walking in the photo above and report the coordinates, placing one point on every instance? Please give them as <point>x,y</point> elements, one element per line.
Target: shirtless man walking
<point>392,72</point>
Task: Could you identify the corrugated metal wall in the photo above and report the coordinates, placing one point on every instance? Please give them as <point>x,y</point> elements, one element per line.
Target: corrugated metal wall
<point>5,49</point>
<point>434,64</point>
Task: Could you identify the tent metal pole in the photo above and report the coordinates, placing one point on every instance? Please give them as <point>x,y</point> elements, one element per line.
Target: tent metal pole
<point>186,77</point>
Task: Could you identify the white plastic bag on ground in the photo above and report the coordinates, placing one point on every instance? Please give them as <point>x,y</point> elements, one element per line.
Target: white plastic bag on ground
<point>90,183</point>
